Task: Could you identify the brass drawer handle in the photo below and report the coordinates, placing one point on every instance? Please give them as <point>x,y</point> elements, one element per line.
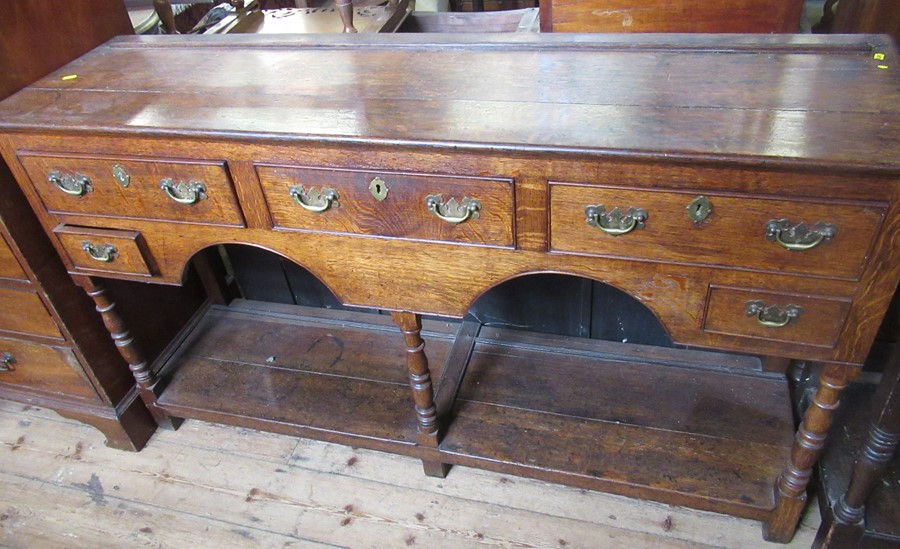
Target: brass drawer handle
<point>184,193</point>
<point>75,185</point>
<point>314,200</point>
<point>773,316</point>
<point>100,252</point>
<point>615,223</point>
<point>7,360</point>
<point>453,211</point>
<point>799,237</point>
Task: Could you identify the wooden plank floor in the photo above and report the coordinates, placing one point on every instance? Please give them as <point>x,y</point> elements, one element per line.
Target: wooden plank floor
<point>215,486</point>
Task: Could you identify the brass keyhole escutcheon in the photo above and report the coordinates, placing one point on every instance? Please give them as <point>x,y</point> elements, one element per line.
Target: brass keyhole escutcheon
<point>699,209</point>
<point>378,188</point>
<point>121,175</point>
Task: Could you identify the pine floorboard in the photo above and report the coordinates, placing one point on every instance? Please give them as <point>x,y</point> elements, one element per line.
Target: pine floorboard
<point>209,485</point>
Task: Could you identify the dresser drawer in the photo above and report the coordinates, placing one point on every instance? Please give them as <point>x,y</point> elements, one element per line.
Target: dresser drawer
<point>105,250</point>
<point>190,192</point>
<point>23,311</point>
<point>420,206</point>
<point>739,231</point>
<point>44,367</point>
<point>9,265</point>
<point>806,320</point>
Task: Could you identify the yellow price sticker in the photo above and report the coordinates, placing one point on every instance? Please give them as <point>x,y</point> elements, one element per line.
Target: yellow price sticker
<point>70,77</point>
<point>879,57</point>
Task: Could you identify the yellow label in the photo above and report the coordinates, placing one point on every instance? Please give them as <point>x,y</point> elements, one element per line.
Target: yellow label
<point>70,77</point>
<point>879,57</point>
<point>882,66</point>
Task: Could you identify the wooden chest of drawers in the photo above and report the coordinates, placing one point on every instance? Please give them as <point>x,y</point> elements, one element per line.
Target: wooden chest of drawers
<point>726,186</point>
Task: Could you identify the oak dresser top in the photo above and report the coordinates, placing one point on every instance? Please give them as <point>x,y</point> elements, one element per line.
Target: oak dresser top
<point>821,102</point>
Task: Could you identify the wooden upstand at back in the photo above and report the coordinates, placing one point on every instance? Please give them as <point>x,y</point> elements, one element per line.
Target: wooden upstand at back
<point>732,185</point>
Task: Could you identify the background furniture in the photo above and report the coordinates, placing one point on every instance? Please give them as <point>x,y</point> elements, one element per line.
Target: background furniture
<point>54,350</point>
<point>861,16</point>
<point>758,16</point>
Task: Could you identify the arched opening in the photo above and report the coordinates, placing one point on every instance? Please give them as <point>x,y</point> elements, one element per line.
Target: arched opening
<point>548,303</point>
<point>571,306</point>
<point>262,275</point>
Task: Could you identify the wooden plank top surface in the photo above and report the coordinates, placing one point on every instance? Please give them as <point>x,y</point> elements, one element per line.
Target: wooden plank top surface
<point>802,100</point>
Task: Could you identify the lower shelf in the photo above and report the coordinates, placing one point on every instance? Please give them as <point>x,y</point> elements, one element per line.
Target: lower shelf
<point>705,430</point>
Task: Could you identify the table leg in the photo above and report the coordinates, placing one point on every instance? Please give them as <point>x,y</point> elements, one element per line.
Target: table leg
<point>844,526</point>
<point>345,9</point>
<point>147,382</point>
<point>790,491</point>
<point>423,393</point>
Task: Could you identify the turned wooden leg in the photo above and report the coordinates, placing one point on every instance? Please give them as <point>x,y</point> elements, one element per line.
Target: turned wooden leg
<point>844,527</point>
<point>790,491</point>
<point>166,15</point>
<point>423,393</point>
<point>345,9</point>
<point>128,348</point>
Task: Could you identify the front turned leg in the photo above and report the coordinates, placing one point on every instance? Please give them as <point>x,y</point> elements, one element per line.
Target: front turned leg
<point>790,491</point>
<point>146,381</point>
<point>423,393</point>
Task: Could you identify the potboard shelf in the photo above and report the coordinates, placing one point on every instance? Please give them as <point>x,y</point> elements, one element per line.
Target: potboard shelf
<point>600,415</point>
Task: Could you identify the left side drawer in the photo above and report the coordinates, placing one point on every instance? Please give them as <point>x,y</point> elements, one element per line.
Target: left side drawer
<point>9,265</point>
<point>43,367</point>
<point>172,190</point>
<point>105,250</point>
<point>22,311</point>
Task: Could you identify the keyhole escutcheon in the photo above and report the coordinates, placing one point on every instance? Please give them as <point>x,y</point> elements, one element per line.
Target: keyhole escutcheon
<point>378,188</point>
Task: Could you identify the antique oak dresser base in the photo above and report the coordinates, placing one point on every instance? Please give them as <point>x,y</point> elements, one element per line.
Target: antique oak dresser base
<point>726,185</point>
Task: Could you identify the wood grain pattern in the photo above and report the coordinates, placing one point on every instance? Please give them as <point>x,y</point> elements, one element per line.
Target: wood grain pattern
<point>645,108</point>
<point>402,213</point>
<point>143,196</point>
<point>24,312</point>
<point>45,368</point>
<point>820,322</point>
<point>670,235</point>
<point>9,265</point>
<point>303,489</point>
<point>124,248</point>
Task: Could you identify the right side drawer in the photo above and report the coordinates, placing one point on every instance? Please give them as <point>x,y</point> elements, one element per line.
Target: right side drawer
<point>806,320</point>
<point>42,367</point>
<point>737,231</point>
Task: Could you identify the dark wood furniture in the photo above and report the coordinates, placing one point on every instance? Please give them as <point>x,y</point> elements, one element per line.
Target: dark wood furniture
<point>54,351</point>
<point>726,184</point>
<point>859,475</point>
<point>760,16</point>
<point>860,16</point>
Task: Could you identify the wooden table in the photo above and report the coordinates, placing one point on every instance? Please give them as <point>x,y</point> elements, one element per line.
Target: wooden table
<point>727,184</point>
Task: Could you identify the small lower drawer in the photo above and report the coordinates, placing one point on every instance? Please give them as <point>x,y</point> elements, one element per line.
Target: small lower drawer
<point>24,312</point>
<point>43,367</point>
<point>105,250</point>
<point>815,321</point>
